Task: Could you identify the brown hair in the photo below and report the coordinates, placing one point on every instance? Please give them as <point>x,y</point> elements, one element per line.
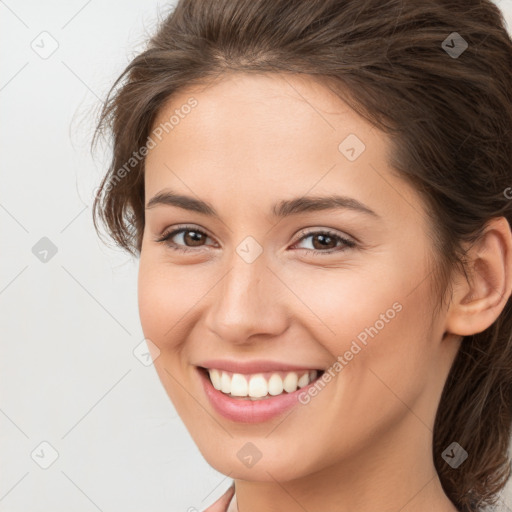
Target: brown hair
<point>449,118</point>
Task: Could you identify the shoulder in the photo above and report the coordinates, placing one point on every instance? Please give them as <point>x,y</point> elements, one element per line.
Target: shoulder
<point>222,504</point>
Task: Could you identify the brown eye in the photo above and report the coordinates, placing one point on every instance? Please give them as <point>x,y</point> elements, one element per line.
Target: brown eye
<point>326,242</point>
<point>193,240</point>
<point>190,237</point>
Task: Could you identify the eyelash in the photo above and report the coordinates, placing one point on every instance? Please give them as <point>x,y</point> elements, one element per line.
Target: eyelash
<point>166,236</point>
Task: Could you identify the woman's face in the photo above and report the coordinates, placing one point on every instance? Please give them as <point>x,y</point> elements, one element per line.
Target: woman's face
<point>272,280</point>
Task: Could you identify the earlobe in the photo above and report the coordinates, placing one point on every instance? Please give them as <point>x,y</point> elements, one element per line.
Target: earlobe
<point>478,301</point>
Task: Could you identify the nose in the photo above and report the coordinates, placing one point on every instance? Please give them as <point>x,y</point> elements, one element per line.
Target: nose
<point>249,302</point>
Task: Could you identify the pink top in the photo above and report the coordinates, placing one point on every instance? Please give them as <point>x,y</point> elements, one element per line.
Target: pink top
<point>226,503</point>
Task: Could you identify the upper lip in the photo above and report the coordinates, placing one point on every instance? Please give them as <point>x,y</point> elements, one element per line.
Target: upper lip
<point>256,366</point>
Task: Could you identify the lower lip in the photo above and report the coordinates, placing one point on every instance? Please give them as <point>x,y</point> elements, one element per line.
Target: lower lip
<point>249,411</point>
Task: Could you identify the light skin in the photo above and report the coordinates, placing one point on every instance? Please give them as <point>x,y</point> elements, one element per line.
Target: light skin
<point>364,442</point>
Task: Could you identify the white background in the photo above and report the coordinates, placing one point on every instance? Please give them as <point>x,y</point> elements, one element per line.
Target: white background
<point>68,375</point>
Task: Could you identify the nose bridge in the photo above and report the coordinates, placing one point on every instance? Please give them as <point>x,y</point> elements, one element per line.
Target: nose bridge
<point>245,301</point>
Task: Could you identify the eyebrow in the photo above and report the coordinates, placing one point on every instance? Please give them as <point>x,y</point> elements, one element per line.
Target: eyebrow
<point>281,209</point>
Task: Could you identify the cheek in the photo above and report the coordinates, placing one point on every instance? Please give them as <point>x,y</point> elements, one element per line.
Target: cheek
<point>342,304</point>
<point>379,334</point>
<point>378,329</point>
<point>167,295</point>
<point>163,301</point>
<point>153,307</point>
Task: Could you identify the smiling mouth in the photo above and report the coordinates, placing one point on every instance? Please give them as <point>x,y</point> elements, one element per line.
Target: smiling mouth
<point>259,386</point>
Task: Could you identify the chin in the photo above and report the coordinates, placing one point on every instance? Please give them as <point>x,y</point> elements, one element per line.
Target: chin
<point>267,465</point>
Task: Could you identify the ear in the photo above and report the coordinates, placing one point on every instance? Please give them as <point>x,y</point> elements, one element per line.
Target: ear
<point>477,304</point>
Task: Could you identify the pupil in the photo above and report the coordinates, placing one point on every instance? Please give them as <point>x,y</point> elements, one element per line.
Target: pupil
<point>195,238</point>
<point>324,241</point>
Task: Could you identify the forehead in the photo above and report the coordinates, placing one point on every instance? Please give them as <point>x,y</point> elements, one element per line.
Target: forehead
<point>263,107</point>
<point>267,136</point>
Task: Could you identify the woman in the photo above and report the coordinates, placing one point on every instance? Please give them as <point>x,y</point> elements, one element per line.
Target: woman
<point>319,194</point>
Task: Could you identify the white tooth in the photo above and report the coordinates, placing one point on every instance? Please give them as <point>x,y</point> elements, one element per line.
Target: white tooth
<point>290,382</point>
<point>239,385</point>
<point>258,386</point>
<point>303,381</point>
<point>225,382</point>
<point>275,384</point>
<point>215,378</point>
